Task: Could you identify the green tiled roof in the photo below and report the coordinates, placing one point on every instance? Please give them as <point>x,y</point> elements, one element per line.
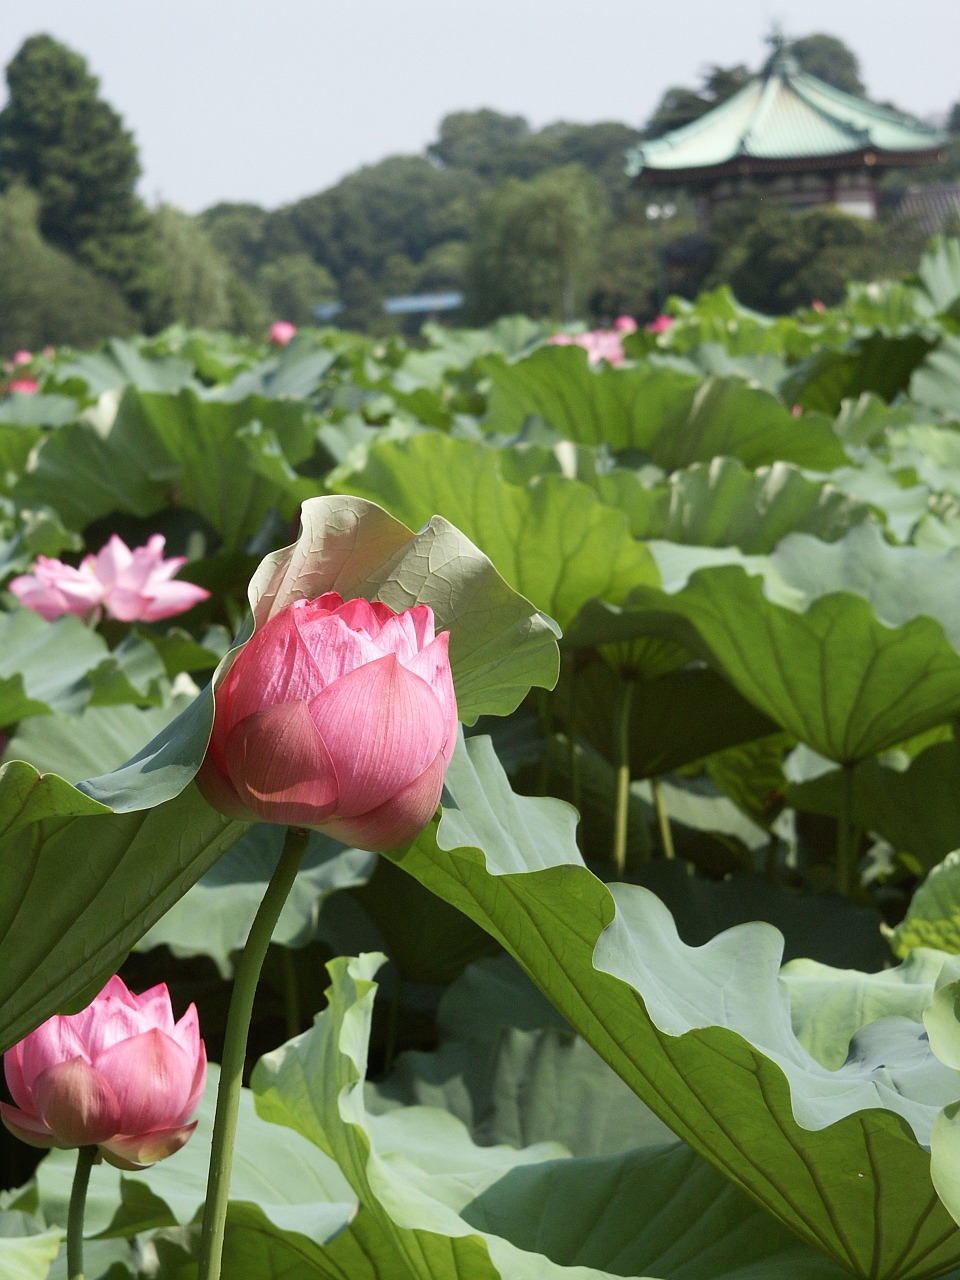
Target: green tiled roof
<point>784,114</point>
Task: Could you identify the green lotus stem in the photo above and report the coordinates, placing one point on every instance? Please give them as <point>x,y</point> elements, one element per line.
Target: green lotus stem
<point>87,1157</point>
<point>546,722</point>
<point>663,818</point>
<point>235,1049</point>
<point>291,993</point>
<point>848,837</point>
<point>622,812</point>
<point>573,760</point>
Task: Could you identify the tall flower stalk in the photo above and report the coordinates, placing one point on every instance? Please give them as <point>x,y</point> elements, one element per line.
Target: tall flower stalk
<point>235,1050</point>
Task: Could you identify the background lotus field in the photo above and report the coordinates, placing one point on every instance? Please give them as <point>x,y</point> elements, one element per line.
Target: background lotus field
<point>554,1036</point>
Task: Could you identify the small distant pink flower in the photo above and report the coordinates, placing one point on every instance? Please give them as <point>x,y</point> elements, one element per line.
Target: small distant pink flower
<point>132,586</point>
<point>660,325</point>
<point>26,386</point>
<point>599,344</point>
<point>817,305</point>
<point>21,357</point>
<point>796,410</point>
<point>281,332</point>
<point>625,324</point>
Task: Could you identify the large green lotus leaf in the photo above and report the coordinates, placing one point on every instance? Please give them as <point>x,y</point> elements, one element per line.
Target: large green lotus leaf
<point>552,539</point>
<point>511,1069</point>
<point>939,272</point>
<point>675,718</point>
<point>40,410</point>
<point>299,1191</point>
<point>830,1006</point>
<point>878,363</point>
<point>43,665</point>
<point>214,917</point>
<point>866,419</point>
<point>916,809</point>
<point>27,1248</point>
<point>901,504</point>
<point>15,445</point>
<point>932,452</point>
<point>499,644</point>
<point>449,1209</point>
<point>722,503</point>
<point>161,448</point>
<point>120,363</point>
<point>900,583</point>
<point>833,676</point>
<point>704,1035</point>
<point>95,741</point>
<point>107,461</point>
<point>936,382</point>
<point>826,926</point>
<point>296,374</point>
<point>933,917</point>
<point>428,941</point>
<point>31,531</point>
<point>80,886</point>
<point>675,417</point>
<point>942,1020</point>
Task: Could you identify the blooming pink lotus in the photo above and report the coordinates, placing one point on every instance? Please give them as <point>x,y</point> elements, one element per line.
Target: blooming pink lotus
<point>625,324</point>
<point>339,716</point>
<point>282,332</point>
<point>121,1076</point>
<point>660,325</point>
<point>132,586</point>
<point>26,386</point>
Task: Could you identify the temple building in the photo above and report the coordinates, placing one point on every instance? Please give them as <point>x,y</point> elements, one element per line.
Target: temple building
<point>790,137</point>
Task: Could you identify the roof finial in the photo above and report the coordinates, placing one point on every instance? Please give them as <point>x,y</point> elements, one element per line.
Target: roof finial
<point>780,58</point>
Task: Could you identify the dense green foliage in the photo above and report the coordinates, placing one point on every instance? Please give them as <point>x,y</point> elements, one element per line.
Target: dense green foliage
<point>45,295</point>
<point>748,532</point>
<point>59,138</point>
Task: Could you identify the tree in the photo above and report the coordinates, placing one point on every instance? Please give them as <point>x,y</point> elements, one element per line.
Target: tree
<point>237,231</point>
<point>47,298</point>
<point>536,245</point>
<point>831,60</point>
<point>475,139</point>
<point>404,205</point>
<point>60,139</point>
<point>197,277</point>
<point>778,260</point>
<point>292,286</point>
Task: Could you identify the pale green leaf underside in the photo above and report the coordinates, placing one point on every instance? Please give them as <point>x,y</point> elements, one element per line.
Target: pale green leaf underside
<point>434,1205</point>
<point>704,1035</point>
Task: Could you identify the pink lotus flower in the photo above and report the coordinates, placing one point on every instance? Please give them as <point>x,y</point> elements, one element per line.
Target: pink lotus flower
<point>121,1075</point>
<point>281,332</point>
<point>21,357</point>
<point>340,716</point>
<point>26,386</point>
<point>132,586</point>
<point>660,325</point>
<point>817,305</point>
<point>625,324</point>
<point>599,344</point>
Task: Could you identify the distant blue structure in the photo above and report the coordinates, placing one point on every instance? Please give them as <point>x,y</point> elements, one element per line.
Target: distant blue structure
<point>327,310</point>
<point>414,303</point>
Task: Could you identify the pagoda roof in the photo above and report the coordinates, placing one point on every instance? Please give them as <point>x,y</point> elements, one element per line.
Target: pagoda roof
<point>785,118</point>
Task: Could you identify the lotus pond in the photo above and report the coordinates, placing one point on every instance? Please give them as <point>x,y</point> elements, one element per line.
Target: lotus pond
<point>669,986</point>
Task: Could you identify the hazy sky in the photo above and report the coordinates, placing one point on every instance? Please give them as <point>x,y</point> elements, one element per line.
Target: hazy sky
<point>269,100</point>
